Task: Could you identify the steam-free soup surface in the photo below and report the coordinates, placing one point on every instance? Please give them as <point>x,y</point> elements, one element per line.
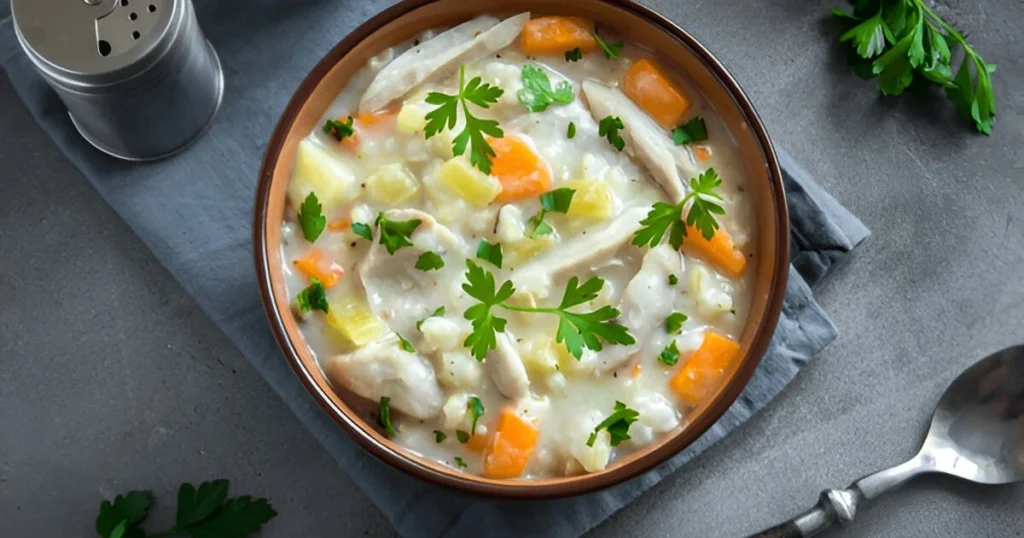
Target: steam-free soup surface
<point>527,244</point>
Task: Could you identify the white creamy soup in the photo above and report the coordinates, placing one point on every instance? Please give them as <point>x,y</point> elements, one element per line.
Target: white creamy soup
<point>525,241</point>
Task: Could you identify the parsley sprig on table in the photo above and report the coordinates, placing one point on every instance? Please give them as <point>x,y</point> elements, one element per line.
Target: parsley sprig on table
<point>617,424</point>
<point>202,512</point>
<point>576,330</point>
<point>447,114</point>
<point>901,40</point>
<point>704,205</point>
<point>536,94</point>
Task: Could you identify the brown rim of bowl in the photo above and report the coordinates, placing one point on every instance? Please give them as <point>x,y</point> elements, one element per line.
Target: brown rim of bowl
<point>526,489</point>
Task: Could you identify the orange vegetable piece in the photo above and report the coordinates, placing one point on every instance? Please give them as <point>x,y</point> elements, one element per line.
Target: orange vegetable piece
<point>511,446</point>
<point>478,442</point>
<point>701,152</point>
<point>637,370</point>
<point>365,121</point>
<point>521,172</point>
<point>652,90</point>
<point>719,250</point>
<point>339,225</point>
<point>704,369</point>
<point>556,35</point>
<point>315,264</point>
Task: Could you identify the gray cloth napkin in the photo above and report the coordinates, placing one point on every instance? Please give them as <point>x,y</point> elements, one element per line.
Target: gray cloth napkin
<point>194,212</point>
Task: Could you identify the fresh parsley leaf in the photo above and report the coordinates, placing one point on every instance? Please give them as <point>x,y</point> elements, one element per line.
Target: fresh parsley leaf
<point>429,261</point>
<point>394,234</point>
<point>195,505</point>
<point>669,355</point>
<point>556,201</point>
<point>674,322</point>
<point>405,344</point>
<point>124,514</point>
<point>236,518</point>
<point>362,230</point>
<point>439,311</point>
<point>489,252</point>
<point>460,463</point>
<point>446,115</point>
<point>609,128</point>
<point>574,55</point>
<point>570,132</point>
<point>536,94</point>
<point>313,297</point>
<point>673,280</point>
<point>384,415</point>
<point>462,435</point>
<point>663,217</point>
<point>476,410</point>
<point>480,286</point>
<point>311,219</point>
<point>692,131</point>
<point>611,50</point>
<point>339,129</point>
<point>617,424</point>
<point>540,227</point>
<point>867,37</point>
<point>439,436</point>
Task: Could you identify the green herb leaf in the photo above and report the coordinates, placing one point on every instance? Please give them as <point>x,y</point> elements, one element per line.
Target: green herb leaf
<point>669,355</point>
<point>611,50</point>
<point>196,505</point>
<point>384,415</point>
<point>405,344</point>
<point>574,55</point>
<point>313,297</point>
<point>480,286</point>
<point>489,252</point>
<point>674,322</point>
<point>236,518</point>
<point>673,280</point>
<point>692,131</point>
<point>395,234</point>
<point>556,201</point>
<point>868,37</point>
<point>536,94</point>
<point>570,132</point>
<point>362,230</point>
<point>463,436</point>
<point>429,261</point>
<point>540,227</point>
<point>445,116</point>
<point>617,424</point>
<point>476,410</point>
<point>439,311</point>
<point>311,219</point>
<point>704,205</point>
<point>126,512</point>
<point>439,436</point>
<point>460,463</point>
<point>339,129</point>
<point>609,128</point>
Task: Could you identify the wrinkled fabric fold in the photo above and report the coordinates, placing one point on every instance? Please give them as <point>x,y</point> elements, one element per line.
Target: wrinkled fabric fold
<point>194,213</point>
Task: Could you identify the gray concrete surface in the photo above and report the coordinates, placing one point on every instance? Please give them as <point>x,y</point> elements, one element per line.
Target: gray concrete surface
<point>112,379</point>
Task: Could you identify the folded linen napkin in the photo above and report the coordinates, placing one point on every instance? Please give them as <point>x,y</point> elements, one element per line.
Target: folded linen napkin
<point>193,211</point>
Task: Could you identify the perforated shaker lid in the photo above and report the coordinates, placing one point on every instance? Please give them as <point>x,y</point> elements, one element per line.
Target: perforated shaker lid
<point>95,42</point>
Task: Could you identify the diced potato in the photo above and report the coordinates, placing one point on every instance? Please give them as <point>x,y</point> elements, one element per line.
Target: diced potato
<point>469,183</point>
<point>351,318</point>
<point>440,334</point>
<point>458,370</point>
<point>412,118</point>
<point>454,411</point>
<point>317,170</point>
<point>713,299</point>
<point>392,184</point>
<point>593,199</point>
<point>538,356</point>
<point>592,458</point>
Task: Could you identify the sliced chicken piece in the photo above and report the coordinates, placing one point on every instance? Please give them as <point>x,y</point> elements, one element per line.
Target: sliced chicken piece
<point>463,44</point>
<point>645,139</point>
<point>506,369</point>
<point>646,302</point>
<point>383,368</point>
<point>578,253</point>
<point>398,292</point>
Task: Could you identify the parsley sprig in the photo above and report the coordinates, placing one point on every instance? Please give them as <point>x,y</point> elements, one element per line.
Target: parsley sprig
<point>340,129</point>
<point>617,424</point>
<point>311,218</point>
<point>447,114</point>
<point>704,205</point>
<point>609,127</point>
<point>556,201</point>
<point>313,297</point>
<point>611,50</point>
<point>536,94</point>
<point>202,512</point>
<point>901,40</point>
<point>694,130</point>
<point>576,330</point>
<point>395,234</point>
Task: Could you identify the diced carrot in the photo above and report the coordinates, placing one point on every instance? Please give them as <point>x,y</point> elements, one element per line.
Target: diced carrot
<point>556,35</point>
<point>315,264</point>
<point>511,446</point>
<point>339,225</point>
<point>704,369</point>
<point>719,250</point>
<point>351,142</point>
<point>637,370</point>
<point>652,90</point>
<point>367,121</point>
<point>521,172</point>
<point>478,442</point>
<point>701,152</point>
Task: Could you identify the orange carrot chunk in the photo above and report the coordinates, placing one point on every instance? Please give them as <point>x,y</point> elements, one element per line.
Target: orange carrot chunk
<point>719,250</point>
<point>315,264</point>
<point>521,172</point>
<point>637,370</point>
<point>511,446</point>
<point>652,90</point>
<point>701,152</point>
<point>556,35</point>
<point>478,442</point>
<point>339,225</point>
<point>704,369</point>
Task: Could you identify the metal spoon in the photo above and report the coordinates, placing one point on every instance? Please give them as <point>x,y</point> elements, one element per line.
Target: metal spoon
<point>977,434</point>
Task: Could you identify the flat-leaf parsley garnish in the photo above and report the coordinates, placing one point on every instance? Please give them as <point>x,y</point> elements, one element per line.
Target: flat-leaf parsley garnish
<point>395,234</point>
<point>384,416</point>
<point>611,50</point>
<point>311,218</point>
<point>490,252</point>
<point>536,94</point>
<point>429,261</point>
<point>704,205</point>
<point>338,129</point>
<point>447,114</point>
<point>556,201</point>
<point>609,127</point>
<point>617,424</point>
<point>574,55</point>
<point>313,297</point>
<point>694,130</point>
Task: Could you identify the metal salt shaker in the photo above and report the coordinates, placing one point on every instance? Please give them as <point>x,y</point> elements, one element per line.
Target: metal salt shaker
<point>139,79</point>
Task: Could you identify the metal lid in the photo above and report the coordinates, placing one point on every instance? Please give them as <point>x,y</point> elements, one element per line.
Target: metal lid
<point>95,42</point>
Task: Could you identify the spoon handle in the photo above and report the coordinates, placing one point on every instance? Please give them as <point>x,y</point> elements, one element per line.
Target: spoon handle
<point>840,505</point>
